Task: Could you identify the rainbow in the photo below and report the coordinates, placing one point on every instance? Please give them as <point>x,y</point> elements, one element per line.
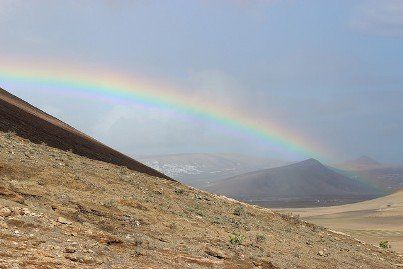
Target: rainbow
<point>118,87</point>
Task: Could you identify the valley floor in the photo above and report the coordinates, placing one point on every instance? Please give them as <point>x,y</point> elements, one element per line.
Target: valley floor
<point>372,221</point>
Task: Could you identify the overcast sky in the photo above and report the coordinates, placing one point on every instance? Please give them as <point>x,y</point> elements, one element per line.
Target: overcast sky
<point>331,71</point>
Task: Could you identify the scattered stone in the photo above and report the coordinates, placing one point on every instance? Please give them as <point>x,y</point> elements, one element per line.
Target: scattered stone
<point>321,253</point>
<point>24,211</point>
<point>215,253</point>
<point>5,212</point>
<point>80,258</point>
<point>70,249</point>
<point>72,258</point>
<point>3,225</point>
<point>63,221</point>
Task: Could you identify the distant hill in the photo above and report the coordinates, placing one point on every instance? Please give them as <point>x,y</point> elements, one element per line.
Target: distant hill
<point>29,122</point>
<point>387,177</point>
<point>361,163</point>
<point>307,183</point>
<point>203,169</point>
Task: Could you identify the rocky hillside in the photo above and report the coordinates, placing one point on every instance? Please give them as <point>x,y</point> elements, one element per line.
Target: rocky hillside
<point>29,122</point>
<point>62,210</point>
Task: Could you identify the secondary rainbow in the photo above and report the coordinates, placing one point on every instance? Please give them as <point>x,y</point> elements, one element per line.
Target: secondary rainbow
<point>117,87</point>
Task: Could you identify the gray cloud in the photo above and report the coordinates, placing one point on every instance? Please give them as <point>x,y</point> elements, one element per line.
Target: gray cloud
<point>294,63</point>
<point>380,17</point>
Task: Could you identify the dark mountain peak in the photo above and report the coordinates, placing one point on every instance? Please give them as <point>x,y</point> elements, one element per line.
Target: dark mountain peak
<point>309,179</point>
<point>307,163</point>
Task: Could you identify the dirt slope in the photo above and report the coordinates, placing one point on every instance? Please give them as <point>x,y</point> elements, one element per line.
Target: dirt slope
<point>29,122</point>
<point>61,210</point>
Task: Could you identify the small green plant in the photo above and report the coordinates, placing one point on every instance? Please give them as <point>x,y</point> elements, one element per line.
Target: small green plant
<point>217,220</point>
<point>384,244</point>
<point>260,238</point>
<point>236,239</point>
<point>173,226</point>
<point>179,191</point>
<point>239,210</point>
<point>10,134</point>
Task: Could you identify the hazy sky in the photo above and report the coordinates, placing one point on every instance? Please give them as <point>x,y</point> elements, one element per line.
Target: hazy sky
<point>331,71</point>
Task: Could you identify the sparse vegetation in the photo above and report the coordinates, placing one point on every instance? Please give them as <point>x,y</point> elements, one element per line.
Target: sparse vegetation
<point>260,238</point>
<point>236,239</point>
<point>384,244</point>
<point>239,210</point>
<point>179,191</point>
<point>217,220</point>
<point>10,134</point>
<point>173,226</point>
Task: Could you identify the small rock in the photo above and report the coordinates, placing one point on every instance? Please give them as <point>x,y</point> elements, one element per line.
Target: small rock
<point>81,259</point>
<point>70,249</point>
<point>5,212</point>
<point>321,253</point>
<point>23,211</point>
<point>63,221</point>
<point>71,258</point>
<point>215,253</point>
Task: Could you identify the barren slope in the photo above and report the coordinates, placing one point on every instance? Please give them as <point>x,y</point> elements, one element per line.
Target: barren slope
<point>29,122</point>
<point>61,210</point>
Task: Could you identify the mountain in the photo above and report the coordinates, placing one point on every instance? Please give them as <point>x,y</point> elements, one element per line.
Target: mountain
<point>361,163</point>
<point>202,169</point>
<point>300,184</point>
<point>388,177</point>
<point>31,123</point>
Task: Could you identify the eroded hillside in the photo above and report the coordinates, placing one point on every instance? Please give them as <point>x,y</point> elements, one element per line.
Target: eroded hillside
<point>29,122</point>
<point>61,210</point>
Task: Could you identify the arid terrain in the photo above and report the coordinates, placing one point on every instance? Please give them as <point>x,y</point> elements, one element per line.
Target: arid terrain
<point>62,210</point>
<point>373,221</point>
